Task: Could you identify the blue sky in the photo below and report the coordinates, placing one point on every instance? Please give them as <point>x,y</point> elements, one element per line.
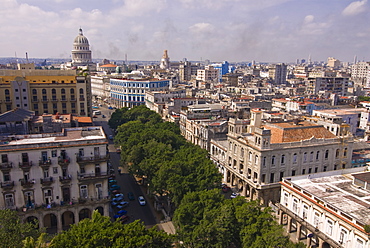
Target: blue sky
<point>233,30</point>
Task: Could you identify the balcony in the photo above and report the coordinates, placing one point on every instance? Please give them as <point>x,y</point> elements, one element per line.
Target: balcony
<point>25,165</point>
<point>66,179</point>
<point>64,100</point>
<point>44,100</point>
<point>73,99</point>
<point>45,163</point>
<point>35,100</point>
<point>27,183</point>
<point>64,161</point>
<point>7,185</point>
<point>6,166</point>
<point>46,181</point>
<point>8,101</point>
<point>93,159</point>
<point>82,99</point>
<point>53,100</point>
<point>92,176</point>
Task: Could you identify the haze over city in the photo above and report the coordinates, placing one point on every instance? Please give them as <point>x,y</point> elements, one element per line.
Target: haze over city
<point>233,30</point>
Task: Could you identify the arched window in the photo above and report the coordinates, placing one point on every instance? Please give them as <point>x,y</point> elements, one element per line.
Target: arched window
<point>311,156</point>
<point>305,157</point>
<point>326,154</point>
<point>81,91</point>
<point>34,91</point>
<point>63,91</point>
<point>43,91</point>
<point>273,160</point>
<point>337,153</point>
<point>295,158</point>
<point>345,152</point>
<point>242,152</point>
<point>72,91</point>
<point>6,92</point>
<point>317,155</point>
<point>283,159</point>
<point>53,91</point>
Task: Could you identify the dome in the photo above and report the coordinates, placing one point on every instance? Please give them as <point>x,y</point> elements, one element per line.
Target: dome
<point>81,39</point>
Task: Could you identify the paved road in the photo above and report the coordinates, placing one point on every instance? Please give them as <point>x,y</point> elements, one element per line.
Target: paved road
<point>125,181</point>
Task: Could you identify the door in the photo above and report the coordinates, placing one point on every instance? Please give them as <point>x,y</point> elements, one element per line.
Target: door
<point>98,191</point>
<point>44,156</point>
<point>48,196</point>
<point>96,152</point>
<point>66,195</point>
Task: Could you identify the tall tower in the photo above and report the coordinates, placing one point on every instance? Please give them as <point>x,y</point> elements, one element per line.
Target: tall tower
<point>81,53</point>
<point>165,61</point>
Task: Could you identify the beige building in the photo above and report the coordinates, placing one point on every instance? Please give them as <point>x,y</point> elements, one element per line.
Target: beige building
<point>209,73</point>
<point>45,91</point>
<point>328,209</point>
<point>57,179</point>
<point>259,155</point>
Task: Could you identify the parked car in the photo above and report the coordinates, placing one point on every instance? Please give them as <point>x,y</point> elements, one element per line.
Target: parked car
<point>225,188</point>
<point>103,116</point>
<point>118,150</point>
<point>130,196</point>
<point>110,107</point>
<point>233,195</point>
<point>115,187</point>
<point>141,200</point>
<point>124,218</point>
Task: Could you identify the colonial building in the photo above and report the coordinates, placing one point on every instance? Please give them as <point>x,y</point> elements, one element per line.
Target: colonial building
<point>57,179</point>
<point>45,91</point>
<point>328,209</point>
<point>261,154</point>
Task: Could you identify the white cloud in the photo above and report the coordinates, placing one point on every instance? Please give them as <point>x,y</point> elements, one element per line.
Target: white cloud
<point>355,8</point>
<point>203,27</point>
<point>310,27</point>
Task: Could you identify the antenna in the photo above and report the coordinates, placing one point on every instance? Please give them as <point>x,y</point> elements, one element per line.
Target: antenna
<point>27,57</point>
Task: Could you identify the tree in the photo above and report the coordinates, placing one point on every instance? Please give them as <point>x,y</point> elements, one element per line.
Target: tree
<point>13,231</point>
<point>100,231</point>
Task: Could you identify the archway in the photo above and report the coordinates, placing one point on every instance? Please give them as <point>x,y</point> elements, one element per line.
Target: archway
<point>68,218</point>
<point>100,210</point>
<point>51,223</point>
<point>84,213</point>
<point>325,245</point>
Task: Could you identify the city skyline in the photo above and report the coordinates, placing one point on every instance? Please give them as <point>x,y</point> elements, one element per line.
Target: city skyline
<point>233,30</point>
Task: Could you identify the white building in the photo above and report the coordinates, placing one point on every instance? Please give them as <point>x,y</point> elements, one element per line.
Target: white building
<point>58,179</point>
<point>328,209</point>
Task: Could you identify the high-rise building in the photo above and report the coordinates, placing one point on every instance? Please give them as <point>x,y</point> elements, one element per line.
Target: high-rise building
<point>333,63</point>
<point>277,73</point>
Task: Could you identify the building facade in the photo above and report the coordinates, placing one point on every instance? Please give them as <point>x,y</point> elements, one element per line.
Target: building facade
<point>57,179</point>
<point>328,209</point>
<point>131,92</point>
<point>259,156</point>
<point>45,91</point>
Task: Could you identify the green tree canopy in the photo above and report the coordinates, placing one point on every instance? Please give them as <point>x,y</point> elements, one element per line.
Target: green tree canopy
<point>207,219</point>
<point>13,231</point>
<point>100,231</point>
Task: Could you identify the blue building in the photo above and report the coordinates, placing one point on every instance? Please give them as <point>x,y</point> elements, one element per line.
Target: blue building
<point>131,92</point>
<point>223,69</point>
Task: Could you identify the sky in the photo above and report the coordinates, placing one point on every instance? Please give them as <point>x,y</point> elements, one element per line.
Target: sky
<point>218,30</point>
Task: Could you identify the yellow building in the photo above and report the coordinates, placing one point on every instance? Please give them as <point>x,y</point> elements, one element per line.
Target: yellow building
<point>45,91</point>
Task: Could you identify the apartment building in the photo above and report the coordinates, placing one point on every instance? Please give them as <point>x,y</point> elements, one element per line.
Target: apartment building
<point>328,209</point>
<point>327,85</point>
<point>208,74</point>
<point>45,91</point>
<point>278,73</point>
<point>125,92</point>
<point>260,154</point>
<point>57,179</point>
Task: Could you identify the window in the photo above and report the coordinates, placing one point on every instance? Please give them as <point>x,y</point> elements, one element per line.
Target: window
<point>6,176</point>
<point>55,170</point>
<point>329,227</point>
<point>281,175</point>
<point>273,160</point>
<point>345,152</point>
<point>317,155</point>
<point>250,157</point>
<point>305,211</point>
<point>295,205</point>
<point>343,236</point>
<point>81,152</point>
<point>283,159</point>
<point>263,179</point>
<point>34,91</point>
<point>83,191</point>
<point>326,154</point>
<point>272,177</point>
<point>6,92</point>
<point>305,157</point>
<point>359,243</point>
<point>293,172</point>
<point>72,91</point>
<point>264,162</point>
<point>4,158</point>
<point>303,171</point>
<point>53,91</point>
<point>63,91</point>
<point>311,156</point>
<point>44,91</point>
<point>9,200</point>
<point>256,159</point>
<point>54,153</point>
<point>48,196</point>
<point>285,200</point>
<point>295,158</point>
<point>46,173</point>
<point>316,220</point>
<point>337,153</point>
<point>98,191</point>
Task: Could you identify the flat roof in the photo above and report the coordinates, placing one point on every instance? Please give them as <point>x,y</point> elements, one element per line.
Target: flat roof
<point>337,189</point>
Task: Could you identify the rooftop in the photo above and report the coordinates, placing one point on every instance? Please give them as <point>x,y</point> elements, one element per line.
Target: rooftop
<point>336,188</point>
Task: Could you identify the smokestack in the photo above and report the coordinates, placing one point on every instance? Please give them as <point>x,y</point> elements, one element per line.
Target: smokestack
<point>27,57</point>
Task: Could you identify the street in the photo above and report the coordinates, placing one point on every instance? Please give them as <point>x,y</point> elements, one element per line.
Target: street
<point>125,180</point>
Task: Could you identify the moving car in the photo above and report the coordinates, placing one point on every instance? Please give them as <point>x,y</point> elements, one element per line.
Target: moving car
<point>103,116</point>
<point>110,137</point>
<point>141,200</point>
<point>110,107</point>
<point>233,195</point>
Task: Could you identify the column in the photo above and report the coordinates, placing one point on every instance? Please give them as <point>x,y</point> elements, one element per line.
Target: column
<point>298,235</point>
<point>244,193</point>
<point>280,216</point>
<point>59,221</point>
<point>289,225</point>
<point>321,242</point>
<point>225,175</point>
